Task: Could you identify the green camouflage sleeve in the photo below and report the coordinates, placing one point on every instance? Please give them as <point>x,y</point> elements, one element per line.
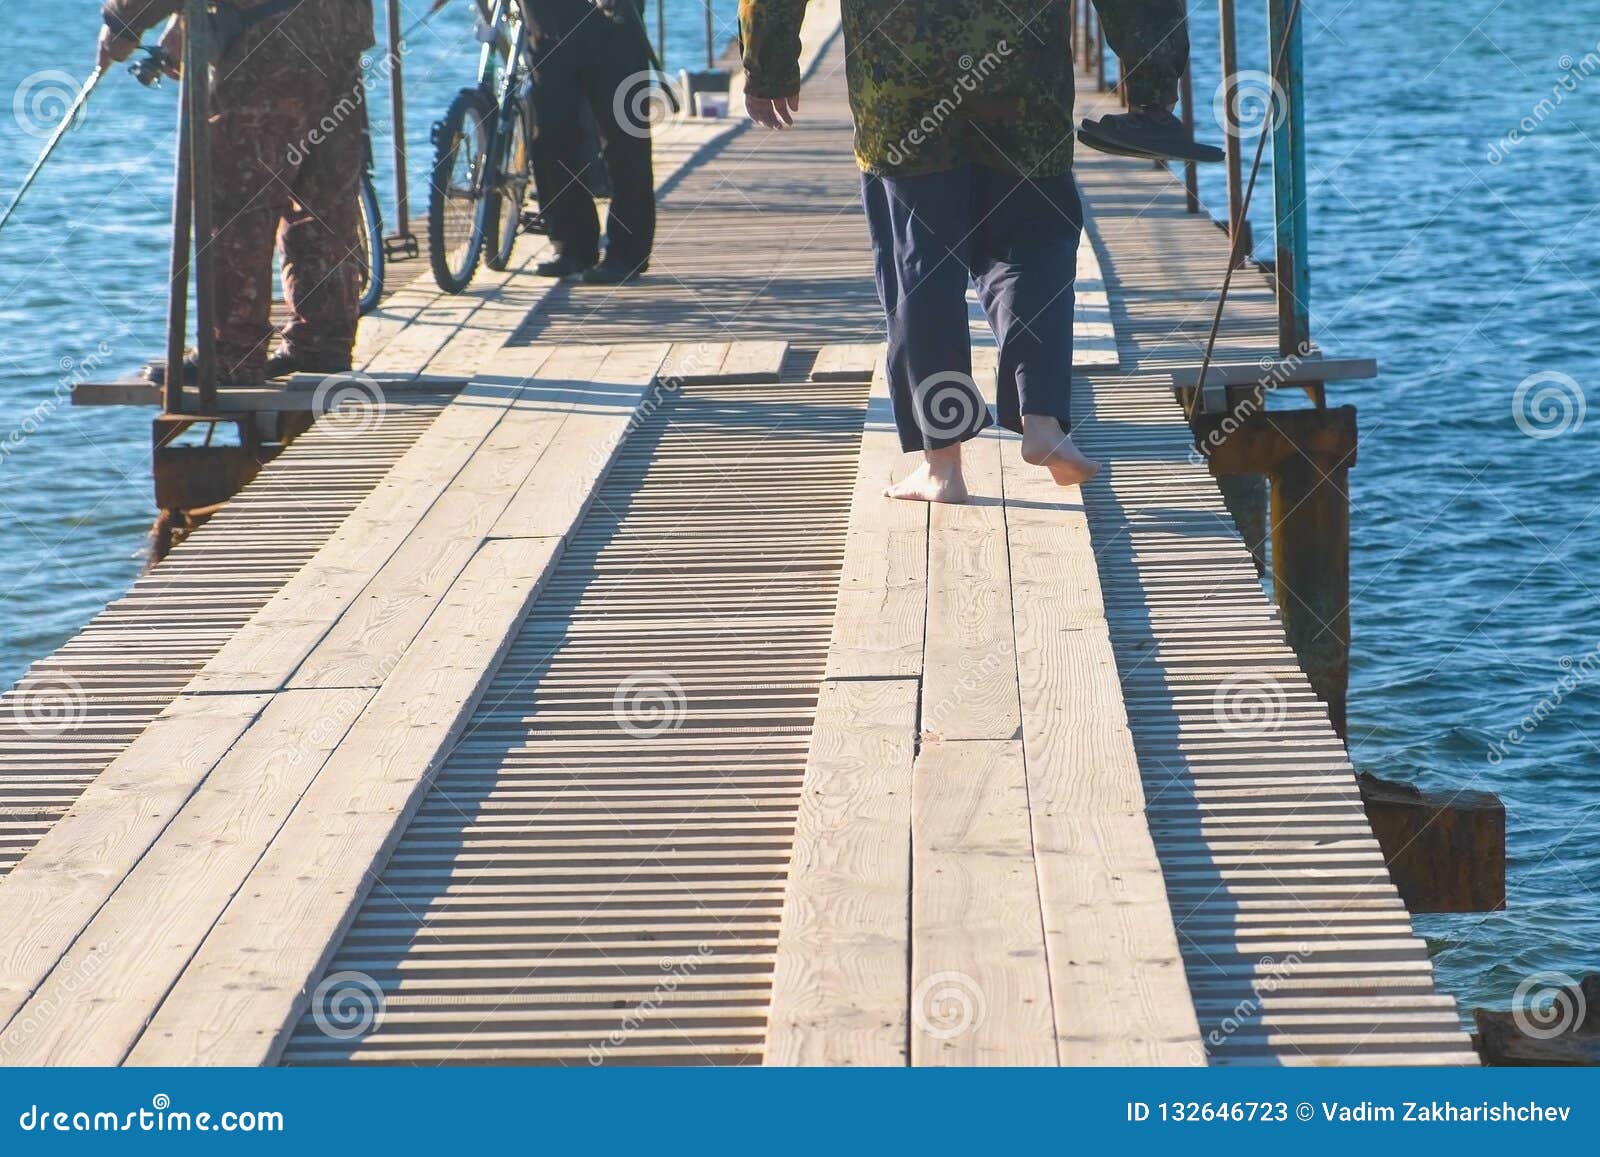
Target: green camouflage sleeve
<point>131,19</point>
<point>769,32</point>
<point>1151,40</point>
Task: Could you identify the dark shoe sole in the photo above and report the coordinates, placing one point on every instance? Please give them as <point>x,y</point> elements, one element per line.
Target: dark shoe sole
<point>1089,133</point>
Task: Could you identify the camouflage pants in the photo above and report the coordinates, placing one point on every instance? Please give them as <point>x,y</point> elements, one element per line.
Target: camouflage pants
<point>287,155</point>
<point>1151,40</point>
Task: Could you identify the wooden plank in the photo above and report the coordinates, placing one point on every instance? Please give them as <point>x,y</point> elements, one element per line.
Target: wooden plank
<point>843,954</point>
<point>94,1003</point>
<point>557,492</point>
<point>754,361</point>
<point>880,620</point>
<point>53,892</point>
<point>249,983</point>
<point>371,634</point>
<point>846,362</point>
<point>980,985</point>
<point>266,652</point>
<point>970,685</point>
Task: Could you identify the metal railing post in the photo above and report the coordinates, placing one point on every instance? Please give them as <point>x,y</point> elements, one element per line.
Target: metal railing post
<point>661,32</point>
<point>711,50</point>
<point>397,102</point>
<point>1289,180</point>
<point>197,104</point>
<point>178,279</point>
<point>1233,147</point>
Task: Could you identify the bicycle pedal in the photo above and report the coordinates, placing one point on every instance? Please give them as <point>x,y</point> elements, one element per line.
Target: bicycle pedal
<point>533,223</point>
<point>399,248</point>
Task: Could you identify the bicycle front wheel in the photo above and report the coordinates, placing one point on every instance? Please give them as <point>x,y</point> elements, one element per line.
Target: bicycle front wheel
<point>458,192</point>
<point>371,252</point>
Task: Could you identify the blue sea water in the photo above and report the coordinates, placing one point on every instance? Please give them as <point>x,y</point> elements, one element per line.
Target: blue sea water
<point>1462,259</point>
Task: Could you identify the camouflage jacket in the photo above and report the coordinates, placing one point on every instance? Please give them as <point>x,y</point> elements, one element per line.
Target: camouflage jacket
<point>938,83</point>
<point>324,29</point>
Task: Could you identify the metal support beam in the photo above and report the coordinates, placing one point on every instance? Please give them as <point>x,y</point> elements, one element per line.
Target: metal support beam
<point>1307,456</point>
<point>1292,272</point>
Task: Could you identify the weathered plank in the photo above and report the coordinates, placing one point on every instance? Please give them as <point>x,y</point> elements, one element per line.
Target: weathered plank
<point>839,980</point>
<point>235,1003</point>
<point>980,984</point>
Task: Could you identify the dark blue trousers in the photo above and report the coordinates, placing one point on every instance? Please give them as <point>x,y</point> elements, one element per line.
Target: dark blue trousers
<point>1016,240</point>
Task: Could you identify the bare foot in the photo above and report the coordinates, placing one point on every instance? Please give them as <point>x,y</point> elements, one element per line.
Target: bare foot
<point>1043,444</point>
<point>937,480</point>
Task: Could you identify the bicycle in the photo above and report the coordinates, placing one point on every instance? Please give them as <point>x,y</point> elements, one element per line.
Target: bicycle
<point>372,255</point>
<point>482,157</point>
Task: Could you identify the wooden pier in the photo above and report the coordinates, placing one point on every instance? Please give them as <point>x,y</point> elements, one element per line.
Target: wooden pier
<point>578,699</point>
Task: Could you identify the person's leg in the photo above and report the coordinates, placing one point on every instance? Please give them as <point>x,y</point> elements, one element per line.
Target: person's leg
<point>320,235</point>
<point>1024,259</point>
<point>1151,40</point>
<point>250,176</point>
<point>564,202</point>
<point>919,227</point>
<point>613,81</point>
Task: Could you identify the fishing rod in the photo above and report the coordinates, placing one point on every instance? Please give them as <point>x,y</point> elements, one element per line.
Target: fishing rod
<point>61,130</point>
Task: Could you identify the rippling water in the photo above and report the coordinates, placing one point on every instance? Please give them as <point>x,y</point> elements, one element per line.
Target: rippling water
<point>1463,264</point>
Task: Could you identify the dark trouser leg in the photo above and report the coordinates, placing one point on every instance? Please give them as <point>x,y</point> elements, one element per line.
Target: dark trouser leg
<point>1151,40</point>
<point>250,177</point>
<point>320,235</point>
<point>920,230</point>
<point>564,202</point>
<point>631,219</point>
<point>1024,260</point>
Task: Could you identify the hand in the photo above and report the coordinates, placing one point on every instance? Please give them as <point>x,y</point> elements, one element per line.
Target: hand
<point>172,46</point>
<point>114,49</point>
<point>774,114</point>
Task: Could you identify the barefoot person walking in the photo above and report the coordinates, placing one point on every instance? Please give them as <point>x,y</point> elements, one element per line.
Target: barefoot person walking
<point>963,132</point>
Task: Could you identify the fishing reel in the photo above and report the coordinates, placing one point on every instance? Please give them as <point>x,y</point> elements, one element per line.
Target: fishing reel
<point>155,64</point>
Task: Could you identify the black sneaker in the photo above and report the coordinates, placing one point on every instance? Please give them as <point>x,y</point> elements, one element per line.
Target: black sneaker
<point>1150,130</point>
<point>156,374</point>
<point>607,273</point>
<point>562,266</point>
<point>284,364</point>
